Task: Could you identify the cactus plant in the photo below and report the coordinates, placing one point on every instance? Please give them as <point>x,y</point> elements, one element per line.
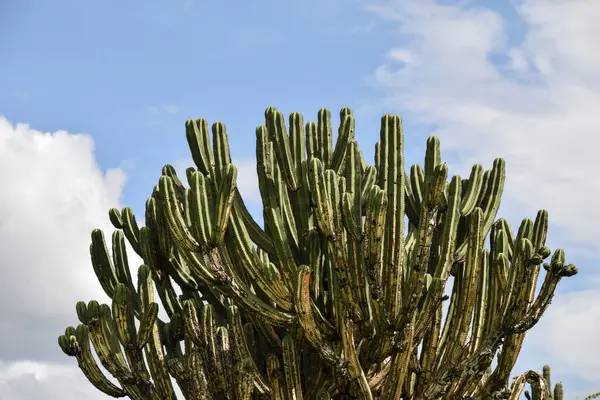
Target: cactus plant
<point>545,391</point>
<point>338,295</point>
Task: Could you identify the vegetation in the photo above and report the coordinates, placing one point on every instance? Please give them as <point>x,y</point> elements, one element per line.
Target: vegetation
<point>338,295</point>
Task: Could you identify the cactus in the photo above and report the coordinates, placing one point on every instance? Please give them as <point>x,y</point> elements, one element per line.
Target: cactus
<point>337,296</point>
<point>543,390</point>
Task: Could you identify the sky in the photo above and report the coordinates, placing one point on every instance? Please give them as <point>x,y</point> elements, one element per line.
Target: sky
<point>94,96</point>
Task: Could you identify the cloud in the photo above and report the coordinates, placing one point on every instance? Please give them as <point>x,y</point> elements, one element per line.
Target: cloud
<point>54,195</point>
<point>571,330</point>
<point>537,110</point>
<point>532,100</point>
<point>35,380</point>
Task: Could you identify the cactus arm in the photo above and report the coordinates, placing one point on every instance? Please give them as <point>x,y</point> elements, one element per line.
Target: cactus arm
<point>474,185</point>
<point>324,136</point>
<point>257,235</point>
<point>352,203</point>
<point>448,242</point>
<point>355,370</point>
<point>481,303</point>
<point>307,319</point>
<point>200,208</point>
<point>102,264</point>
<point>291,369</point>
<point>224,203</point>
<point>547,380</point>
<point>392,388</point>
<point>115,218</point>
<point>121,264</point>
<point>287,211</point>
<point>491,206</point>
<point>559,392</point>
<point>312,144</point>
<point>427,223</point>
<point>511,307</point>
<point>273,286</point>
<point>87,364</point>
<point>412,206</point>
<point>297,142</point>
<point>323,207</point>
<point>345,137</point>
<point>275,123</point>
<point>276,381</point>
<point>199,383</point>
<point>347,290</point>
<point>147,322</point>
<point>122,314</point>
<point>178,229</point>
<point>198,139</point>
<point>241,350</point>
<point>153,348</point>
<point>369,179</point>
<point>221,151</point>
<point>131,229</point>
<point>392,180</point>
<point>416,188</point>
<point>531,377</point>
<point>225,353</point>
<point>556,271</point>
<point>287,264</point>
<point>472,269</point>
<point>214,363</point>
<point>110,357</point>
<point>348,217</point>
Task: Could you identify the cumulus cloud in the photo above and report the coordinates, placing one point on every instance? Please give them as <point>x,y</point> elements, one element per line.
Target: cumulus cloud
<point>532,100</point>
<point>54,195</point>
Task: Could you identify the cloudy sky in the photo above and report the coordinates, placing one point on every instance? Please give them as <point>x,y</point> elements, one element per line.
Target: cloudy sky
<point>94,95</point>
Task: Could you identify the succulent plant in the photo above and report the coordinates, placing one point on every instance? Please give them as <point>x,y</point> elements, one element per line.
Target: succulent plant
<point>338,295</point>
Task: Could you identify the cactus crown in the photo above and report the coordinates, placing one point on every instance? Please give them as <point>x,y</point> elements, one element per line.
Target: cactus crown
<point>339,294</point>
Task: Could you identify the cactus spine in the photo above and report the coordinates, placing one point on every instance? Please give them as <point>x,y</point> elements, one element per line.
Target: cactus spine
<point>333,298</point>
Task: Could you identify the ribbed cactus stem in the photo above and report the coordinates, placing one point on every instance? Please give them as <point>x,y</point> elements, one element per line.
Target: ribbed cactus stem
<point>337,295</point>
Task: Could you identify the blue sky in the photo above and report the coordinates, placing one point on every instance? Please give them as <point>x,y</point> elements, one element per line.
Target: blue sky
<point>512,79</point>
<point>130,73</point>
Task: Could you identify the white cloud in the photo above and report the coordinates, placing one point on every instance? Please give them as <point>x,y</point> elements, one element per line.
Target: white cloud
<point>34,380</point>
<point>573,319</point>
<point>53,195</point>
<point>538,112</point>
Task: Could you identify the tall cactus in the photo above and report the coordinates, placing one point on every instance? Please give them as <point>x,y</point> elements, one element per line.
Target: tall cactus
<point>339,295</point>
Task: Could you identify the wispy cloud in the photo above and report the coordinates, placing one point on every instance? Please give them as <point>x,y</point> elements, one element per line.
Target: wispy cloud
<point>544,122</point>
